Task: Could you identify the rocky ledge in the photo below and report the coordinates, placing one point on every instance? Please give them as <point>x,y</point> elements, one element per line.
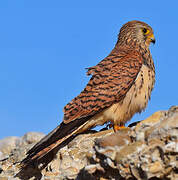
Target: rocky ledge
<point>147,150</point>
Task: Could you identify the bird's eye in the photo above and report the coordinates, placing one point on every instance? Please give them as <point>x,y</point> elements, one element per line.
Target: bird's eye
<point>145,31</point>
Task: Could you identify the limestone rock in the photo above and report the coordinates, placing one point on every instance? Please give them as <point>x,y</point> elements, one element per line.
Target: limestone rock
<point>148,150</point>
<point>7,145</point>
<point>32,137</point>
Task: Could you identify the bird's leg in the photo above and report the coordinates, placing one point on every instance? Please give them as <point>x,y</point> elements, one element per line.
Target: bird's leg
<point>117,127</point>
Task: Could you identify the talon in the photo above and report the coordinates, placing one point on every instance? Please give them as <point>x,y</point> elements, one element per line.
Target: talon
<point>117,128</point>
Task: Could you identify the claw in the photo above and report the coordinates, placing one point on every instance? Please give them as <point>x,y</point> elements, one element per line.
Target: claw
<point>117,128</point>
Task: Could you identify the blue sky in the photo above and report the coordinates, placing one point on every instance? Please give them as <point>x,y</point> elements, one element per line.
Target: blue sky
<point>45,47</point>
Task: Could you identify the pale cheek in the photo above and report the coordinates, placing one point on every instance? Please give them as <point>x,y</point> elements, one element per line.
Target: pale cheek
<point>147,42</point>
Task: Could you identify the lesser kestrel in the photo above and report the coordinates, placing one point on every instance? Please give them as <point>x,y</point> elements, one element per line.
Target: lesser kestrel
<point>120,86</point>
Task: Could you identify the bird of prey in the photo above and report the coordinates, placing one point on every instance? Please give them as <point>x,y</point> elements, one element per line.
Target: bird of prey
<point>120,86</point>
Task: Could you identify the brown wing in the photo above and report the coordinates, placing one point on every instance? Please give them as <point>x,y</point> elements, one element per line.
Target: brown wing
<point>111,79</point>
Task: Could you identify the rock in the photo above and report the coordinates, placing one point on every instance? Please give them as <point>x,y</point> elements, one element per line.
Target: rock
<point>148,150</point>
<point>11,150</point>
<point>32,137</point>
<point>8,144</point>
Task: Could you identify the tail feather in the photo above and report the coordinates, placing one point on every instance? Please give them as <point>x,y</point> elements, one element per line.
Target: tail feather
<point>44,151</point>
<point>54,139</point>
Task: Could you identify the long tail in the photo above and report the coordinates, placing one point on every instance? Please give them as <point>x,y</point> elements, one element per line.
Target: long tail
<point>51,141</point>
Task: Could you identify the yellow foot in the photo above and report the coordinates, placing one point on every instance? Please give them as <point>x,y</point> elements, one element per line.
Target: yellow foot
<point>117,128</point>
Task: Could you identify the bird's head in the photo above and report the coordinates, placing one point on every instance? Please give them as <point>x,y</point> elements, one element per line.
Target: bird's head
<point>137,31</point>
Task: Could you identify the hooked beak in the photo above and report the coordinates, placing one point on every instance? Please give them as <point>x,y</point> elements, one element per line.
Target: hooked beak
<point>152,39</point>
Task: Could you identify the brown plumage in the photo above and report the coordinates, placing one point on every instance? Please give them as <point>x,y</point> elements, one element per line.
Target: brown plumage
<point>120,86</point>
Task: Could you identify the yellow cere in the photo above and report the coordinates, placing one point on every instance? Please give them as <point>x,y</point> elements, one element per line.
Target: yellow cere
<point>151,36</point>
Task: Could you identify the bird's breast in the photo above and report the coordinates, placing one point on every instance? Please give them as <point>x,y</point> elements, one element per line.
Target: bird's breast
<point>135,100</point>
